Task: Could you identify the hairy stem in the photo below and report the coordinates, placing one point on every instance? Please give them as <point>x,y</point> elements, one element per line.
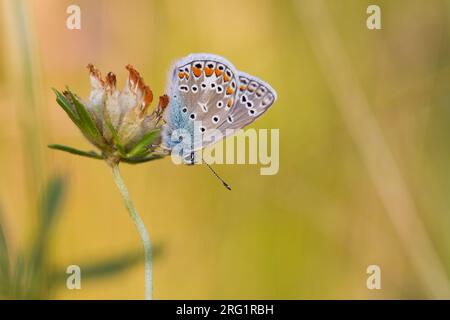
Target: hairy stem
<point>140,228</point>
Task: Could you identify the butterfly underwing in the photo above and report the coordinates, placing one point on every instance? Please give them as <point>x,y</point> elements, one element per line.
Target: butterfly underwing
<point>206,93</point>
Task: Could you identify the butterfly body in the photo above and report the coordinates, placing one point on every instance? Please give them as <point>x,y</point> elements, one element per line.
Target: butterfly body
<point>206,92</point>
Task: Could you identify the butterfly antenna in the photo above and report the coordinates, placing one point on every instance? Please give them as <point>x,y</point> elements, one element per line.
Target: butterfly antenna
<point>226,185</point>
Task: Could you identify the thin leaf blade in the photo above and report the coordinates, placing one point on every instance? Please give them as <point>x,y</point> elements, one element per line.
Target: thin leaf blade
<point>107,267</point>
<point>141,146</point>
<point>116,137</point>
<point>52,199</point>
<point>142,160</point>
<point>65,105</point>
<point>88,154</point>
<point>4,258</point>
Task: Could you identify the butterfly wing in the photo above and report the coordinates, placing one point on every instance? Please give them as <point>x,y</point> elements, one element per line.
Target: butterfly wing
<point>208,88</point>
<point>255,97</point>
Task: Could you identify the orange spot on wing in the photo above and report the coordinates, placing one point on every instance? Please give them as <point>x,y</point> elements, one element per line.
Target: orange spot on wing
<point>218,72</point>
<point>229,91</point>
<point>208,71</point>
<point>226,78</point>
<point>242,87</point>
<point>181,75</point>
<point>230,103</point>
<point>197,72</point>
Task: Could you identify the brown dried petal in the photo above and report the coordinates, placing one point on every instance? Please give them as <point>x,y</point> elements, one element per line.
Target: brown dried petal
<point>96,96</point>
<point>163,102</point>
<point>146,101</point>
<point>135,80</point>
<point>111,81</point>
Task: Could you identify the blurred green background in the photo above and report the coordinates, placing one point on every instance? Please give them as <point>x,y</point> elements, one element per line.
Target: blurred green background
<point>308,232</point>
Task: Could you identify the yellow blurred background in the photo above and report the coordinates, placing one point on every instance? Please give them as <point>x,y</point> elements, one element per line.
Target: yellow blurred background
<point>364,148</point>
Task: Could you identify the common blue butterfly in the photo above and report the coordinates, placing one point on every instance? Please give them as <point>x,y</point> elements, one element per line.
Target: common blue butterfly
<point>208,89</point>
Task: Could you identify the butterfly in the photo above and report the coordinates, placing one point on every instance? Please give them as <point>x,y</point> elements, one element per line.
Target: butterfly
<point>207,93</point>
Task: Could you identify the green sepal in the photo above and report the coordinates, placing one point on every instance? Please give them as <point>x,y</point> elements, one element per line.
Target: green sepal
<point>140,149</point>
<point>86,122</point>
<point>66,106</point>
<point>116,138</point>
<point>141,160</point>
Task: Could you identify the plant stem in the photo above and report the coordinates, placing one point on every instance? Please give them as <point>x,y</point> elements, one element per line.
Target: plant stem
<point>140,228</point>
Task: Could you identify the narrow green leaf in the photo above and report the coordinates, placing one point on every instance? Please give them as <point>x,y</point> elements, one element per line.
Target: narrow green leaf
<point>141,146</point>
<point>49,208</point>
<point>142,160</point>
<point>89,154</point>
<point>85,119</point>
<point>65,105</point>
<point>116,138</point>
<point>4,257</point>
<point>18,281</point>
<point>106,267</point>
<point>51,200</point>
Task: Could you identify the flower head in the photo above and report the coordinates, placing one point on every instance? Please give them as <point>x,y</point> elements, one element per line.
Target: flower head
<point>118,123</point>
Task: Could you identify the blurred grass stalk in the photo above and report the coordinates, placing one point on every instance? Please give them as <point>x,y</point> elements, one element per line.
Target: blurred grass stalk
<point>368,137</point>
<point>25,87</point>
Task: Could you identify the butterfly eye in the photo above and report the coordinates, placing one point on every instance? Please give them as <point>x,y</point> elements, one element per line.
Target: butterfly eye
<point>251,112</point>
<point>243,98</point>
<point>249,104</point>
<point>203,85</point>
<point>192,116</point>
<point>230,119</point>
<point>233,85</point>
<point>194,88</point>
<point>219,104</point>
<point>184,110</point>
<point>215,119</point>
<point>202,129</point>
<point>213,85</point>
<point>219,89</point>
<point>244,81</point>
<point>220,67</point>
